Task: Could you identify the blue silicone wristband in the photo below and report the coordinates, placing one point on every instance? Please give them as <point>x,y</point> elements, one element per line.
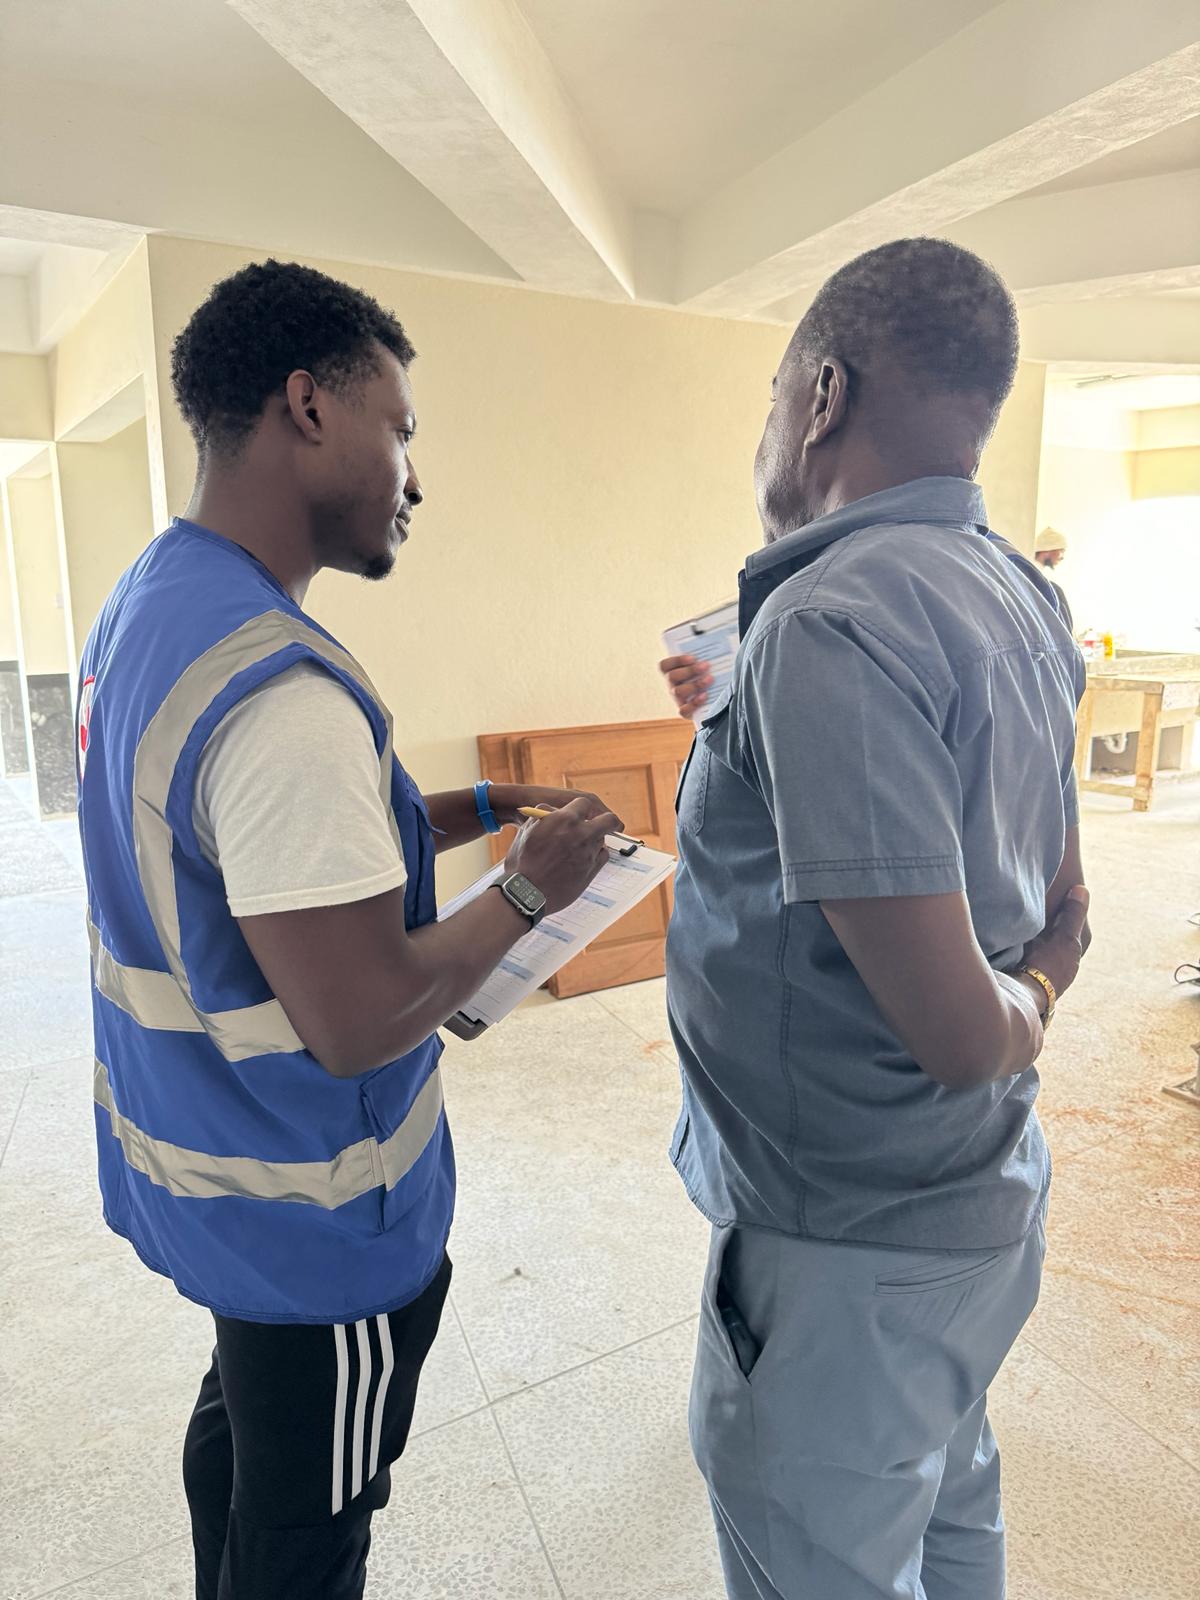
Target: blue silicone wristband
<point>483,805</point>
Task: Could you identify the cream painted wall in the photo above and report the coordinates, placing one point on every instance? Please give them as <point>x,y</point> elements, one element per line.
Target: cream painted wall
<point>1009,472</point>
<point>40,588</point>
<point>107,517</point>
<point>25,407</point>
<point>1159,473</point>
<point>588,473</point>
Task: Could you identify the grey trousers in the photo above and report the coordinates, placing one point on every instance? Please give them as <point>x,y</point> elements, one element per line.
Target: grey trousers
<point>839,1414</point>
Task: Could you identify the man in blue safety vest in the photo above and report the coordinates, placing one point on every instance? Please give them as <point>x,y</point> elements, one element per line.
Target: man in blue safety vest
<point>268,968</point>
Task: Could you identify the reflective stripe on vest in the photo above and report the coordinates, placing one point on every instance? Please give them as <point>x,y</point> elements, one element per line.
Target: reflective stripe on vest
<point>354,1171</point>
<point>143,993</point>
<point>155,1000</point>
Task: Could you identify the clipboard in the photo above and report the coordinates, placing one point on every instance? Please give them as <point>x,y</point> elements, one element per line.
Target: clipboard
<point>713,637</point>
<point>632,872</point>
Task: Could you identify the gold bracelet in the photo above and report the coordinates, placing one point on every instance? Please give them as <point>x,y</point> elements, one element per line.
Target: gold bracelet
<point>1040,977</point>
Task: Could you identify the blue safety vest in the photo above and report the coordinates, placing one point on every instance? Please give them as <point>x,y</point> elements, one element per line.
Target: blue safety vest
<point>229,1158</point>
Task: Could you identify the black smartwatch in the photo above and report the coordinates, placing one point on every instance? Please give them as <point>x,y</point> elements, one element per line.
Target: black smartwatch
<point>519,892</point>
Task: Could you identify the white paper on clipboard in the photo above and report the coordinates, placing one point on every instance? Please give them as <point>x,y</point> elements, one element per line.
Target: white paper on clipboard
<point>620,884</point>
<point>712,638</point>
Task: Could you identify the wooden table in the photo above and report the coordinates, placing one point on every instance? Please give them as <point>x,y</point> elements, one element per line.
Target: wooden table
<point>1169,687</point>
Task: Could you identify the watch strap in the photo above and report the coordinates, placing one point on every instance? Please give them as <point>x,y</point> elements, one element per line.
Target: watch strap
<point>1040,978</point>
<point>483,806</point>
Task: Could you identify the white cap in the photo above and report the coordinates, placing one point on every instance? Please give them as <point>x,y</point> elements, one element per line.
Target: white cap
<point>1049,539</point>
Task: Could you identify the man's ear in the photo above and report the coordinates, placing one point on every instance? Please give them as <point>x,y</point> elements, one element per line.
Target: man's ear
<point>831,401</point>
<point>304,406</point>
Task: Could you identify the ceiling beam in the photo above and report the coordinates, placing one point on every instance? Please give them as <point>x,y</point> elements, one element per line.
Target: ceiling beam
<point>1143,332</point>
<point>1030,90</point>
<point>462,95</point>
<point>1137,237</point>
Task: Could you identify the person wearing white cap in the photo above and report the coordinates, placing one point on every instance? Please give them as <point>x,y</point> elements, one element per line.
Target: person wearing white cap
<point>1049,550</point>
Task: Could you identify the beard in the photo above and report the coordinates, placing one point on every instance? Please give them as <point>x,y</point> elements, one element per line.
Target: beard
<point>376,568</point>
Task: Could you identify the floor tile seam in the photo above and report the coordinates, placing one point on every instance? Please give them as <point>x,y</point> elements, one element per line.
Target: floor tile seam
<point>17,1112</point>
<point>462,1328</point>
<point>582,1366</point>
<point>533,1522</point>
<point>538,1383</point>
<point>1032,1341</point>
<point>525,1500</point>
<point>113,1566</point>
<point>450,1422</point>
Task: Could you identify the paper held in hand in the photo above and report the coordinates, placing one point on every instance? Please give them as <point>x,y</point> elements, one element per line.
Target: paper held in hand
<point>619,885</point>
<point>713,639</point>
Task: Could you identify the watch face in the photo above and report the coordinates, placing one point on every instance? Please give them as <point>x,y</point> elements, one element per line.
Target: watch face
<point>524,893</point>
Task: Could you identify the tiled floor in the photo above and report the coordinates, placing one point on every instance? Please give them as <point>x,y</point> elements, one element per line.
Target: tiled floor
<point>550,1458</point>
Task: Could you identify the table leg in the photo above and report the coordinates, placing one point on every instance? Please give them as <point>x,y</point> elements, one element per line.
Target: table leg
<point>1083,736</point>
<point>1149,739</point>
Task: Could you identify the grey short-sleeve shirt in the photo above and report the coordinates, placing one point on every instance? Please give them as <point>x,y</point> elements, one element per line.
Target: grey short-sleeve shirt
<point>901,721</point>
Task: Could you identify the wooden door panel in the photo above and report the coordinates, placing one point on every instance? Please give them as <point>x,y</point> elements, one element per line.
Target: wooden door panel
<point>634,767</point>
<point>625,790</point>
<point>620,956</point>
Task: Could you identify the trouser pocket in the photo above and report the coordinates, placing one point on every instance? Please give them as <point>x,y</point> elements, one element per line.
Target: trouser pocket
<point>948,1270</point>
<point>743,1346</point>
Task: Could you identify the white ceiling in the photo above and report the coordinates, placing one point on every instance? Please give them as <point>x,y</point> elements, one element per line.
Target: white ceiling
<point>16,454</point>
<point>174,115</point>
<point>718,156</point>
<point>676,99</point>
<point>19,257</point>
<point>1154,392</point>
<point>42,287</point>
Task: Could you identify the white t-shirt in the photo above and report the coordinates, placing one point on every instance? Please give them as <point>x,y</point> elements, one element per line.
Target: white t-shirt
<point>287,804</point>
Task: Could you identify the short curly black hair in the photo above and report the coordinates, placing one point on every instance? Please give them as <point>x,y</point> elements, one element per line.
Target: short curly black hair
<point>940,314</point>
<point>259,326</point>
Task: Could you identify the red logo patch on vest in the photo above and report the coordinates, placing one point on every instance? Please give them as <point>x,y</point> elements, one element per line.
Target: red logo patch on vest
<point>85,720</point>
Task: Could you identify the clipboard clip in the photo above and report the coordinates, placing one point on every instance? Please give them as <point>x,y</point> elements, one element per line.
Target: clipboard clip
<point>464,1027</point>
<point>709,621</point>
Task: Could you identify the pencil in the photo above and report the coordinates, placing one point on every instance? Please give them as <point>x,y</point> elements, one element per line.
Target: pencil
<point>548,811</point>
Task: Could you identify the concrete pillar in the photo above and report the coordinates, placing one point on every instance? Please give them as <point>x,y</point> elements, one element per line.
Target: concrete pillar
<point>14,730</point>
<point>33,513</point>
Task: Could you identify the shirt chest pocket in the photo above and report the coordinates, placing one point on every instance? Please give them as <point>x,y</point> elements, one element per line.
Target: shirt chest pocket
<point>692,794</point>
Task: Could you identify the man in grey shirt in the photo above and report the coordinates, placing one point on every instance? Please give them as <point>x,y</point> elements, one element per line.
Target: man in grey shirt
<point>879,899</point>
